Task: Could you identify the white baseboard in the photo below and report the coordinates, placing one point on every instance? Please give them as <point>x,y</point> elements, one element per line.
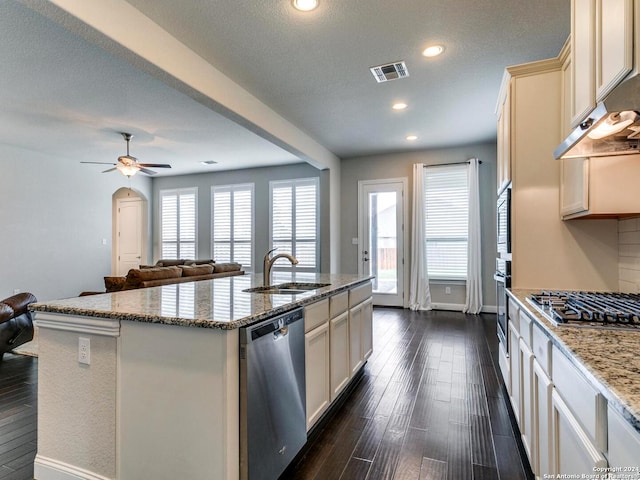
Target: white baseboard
<point>457,307</point>
<point>49,469</point>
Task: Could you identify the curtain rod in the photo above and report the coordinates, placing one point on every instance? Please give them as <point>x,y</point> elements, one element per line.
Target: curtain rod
<point>452,163</point>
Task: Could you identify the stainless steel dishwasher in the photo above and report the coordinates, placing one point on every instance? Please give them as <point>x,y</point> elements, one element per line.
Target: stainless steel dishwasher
<point>272,395</point>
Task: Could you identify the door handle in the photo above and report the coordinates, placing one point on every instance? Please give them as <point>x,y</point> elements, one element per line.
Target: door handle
<point>364,256</point>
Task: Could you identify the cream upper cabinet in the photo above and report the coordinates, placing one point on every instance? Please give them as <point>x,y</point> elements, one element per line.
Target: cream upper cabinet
<point>583,53</point>
<point>503,112</point>
<point>614,43</point>
<point>601,51</point>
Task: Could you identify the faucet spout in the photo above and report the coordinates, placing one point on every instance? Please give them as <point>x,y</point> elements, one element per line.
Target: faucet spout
<point>268,264</point>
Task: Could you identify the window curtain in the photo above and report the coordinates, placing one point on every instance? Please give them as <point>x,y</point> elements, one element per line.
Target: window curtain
<point>473,302</point>
<point>419,294</point>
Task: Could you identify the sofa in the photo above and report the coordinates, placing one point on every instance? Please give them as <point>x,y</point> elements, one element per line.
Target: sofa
<point>16,323</point>
<point>166,272</point>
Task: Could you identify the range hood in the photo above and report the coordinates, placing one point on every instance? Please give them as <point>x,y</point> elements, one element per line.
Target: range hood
<point>612,128</point>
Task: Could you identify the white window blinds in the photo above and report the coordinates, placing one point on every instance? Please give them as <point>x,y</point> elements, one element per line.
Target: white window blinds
<point>232,224</point>
<point>446,200</point>
<point>294,222</point>
<point>178,225</point>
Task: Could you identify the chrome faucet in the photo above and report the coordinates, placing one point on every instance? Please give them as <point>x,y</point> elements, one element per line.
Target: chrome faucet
<point>268,263</point>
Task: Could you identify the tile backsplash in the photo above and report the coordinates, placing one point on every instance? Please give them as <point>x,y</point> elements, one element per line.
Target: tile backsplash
<point>629,255</point>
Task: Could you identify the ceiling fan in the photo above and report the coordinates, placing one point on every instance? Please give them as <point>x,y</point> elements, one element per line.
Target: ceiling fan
<point>128,165</point>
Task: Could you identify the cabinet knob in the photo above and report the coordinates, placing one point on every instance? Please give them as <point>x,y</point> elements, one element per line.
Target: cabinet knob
<point>586,124</point>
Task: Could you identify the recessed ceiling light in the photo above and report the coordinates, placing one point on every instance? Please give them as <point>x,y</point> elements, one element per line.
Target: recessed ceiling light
<point>208,162</point>
<point>305,5</point>
<point>399,106</point>
<point>411,138</point>
<point>433,51</point>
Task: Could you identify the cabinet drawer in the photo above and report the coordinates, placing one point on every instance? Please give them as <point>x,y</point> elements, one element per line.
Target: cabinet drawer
<point>316,314</point>
<point>359,294</point>
<point>542,349</point>
<point>338,304</point>
<point>588,406</point>
<point>514,313</point>
<point>525,328</point>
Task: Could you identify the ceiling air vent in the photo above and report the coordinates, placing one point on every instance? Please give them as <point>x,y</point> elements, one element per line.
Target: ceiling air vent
<point>391,71</point>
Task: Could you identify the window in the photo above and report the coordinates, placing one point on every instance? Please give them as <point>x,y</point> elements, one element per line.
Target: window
<point>446,200</point>
<point>232,224</point>
<point>178,211</point>
<point>294,222</point>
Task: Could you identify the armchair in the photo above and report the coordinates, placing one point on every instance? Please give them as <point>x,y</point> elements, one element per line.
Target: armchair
<point>16,322</point>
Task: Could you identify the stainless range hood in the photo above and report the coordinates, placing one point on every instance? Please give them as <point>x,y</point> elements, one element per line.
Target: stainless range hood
<point>612,128</point>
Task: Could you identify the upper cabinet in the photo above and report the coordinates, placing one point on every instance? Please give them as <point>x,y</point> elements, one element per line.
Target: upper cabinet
<point>602,40</point>
<point>503,112</point>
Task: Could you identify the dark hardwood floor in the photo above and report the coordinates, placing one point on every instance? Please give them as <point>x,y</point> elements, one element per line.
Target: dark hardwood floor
<point>428,406</point>
<point>18,408</point>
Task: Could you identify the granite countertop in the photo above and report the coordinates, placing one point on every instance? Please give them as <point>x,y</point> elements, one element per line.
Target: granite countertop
<point>609,359</point>
<point>219,303</point>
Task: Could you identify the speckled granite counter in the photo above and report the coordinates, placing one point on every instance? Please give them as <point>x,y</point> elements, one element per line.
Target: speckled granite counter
<point>608,358</point>
<point>219,303</point>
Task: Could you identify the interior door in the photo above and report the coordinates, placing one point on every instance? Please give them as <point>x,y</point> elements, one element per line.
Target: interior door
<point>129,239</point>
<point>381,242</point>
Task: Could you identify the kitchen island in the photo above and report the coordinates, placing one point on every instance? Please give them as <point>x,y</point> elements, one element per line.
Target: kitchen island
<point>575,392</point>
<point>157,393</point>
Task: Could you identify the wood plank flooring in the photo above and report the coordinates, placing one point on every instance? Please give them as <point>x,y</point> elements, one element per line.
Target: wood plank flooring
<point>429,406</point>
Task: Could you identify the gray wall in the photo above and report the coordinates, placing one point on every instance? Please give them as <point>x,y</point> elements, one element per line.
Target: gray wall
<point>400,165</point>
<point>260,177</point>
<point>55,214</point>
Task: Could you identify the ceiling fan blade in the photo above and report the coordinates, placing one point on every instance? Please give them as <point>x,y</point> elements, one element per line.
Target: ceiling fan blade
<point>101,163</point>
<point>110,170</point>
<point>155,165</point>
<point>147,171</point>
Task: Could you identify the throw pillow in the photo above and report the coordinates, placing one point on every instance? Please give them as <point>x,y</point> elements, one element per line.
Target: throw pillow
<point>195,270</point>
<point>226,267</point>
<point>114,284</point>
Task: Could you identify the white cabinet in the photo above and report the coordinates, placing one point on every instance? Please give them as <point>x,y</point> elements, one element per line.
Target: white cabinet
<point>355,339</point>
<point>602,50</point>
<point>526,400</point>
<point>574,453</point>
<point>317,373</point>
<point>503,166</point>
<point>583,43</point>
<point>614,44</point>
<point>542,446</point>
<point>367,328</point>
<point>624,444</point>
<point>340,369</point>
<point>515,370</point>
<point>360,326</point>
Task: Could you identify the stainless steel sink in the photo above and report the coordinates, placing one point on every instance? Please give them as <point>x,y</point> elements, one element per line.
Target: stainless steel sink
<point>289,288</point>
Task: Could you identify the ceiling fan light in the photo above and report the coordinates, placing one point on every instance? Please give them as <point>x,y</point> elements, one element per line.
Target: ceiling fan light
<point>127,170</point>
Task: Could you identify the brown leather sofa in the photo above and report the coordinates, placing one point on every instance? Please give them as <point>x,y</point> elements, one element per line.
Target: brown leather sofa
<point>16,322</point>
<point>166,272</point>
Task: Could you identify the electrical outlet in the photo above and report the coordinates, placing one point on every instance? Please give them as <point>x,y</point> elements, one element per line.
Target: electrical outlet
<point>84,350</point>
<point>104,241</point>
<point>447,290</point>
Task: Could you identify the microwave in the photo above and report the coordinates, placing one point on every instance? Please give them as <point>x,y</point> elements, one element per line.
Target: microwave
<point>503,224</point>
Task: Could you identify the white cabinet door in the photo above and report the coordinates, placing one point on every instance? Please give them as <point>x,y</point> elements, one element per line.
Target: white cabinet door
<point>574,186</point>
<point>614,43</point>
<point>574,453</point>
<point>355,338</point>
<point>340,366</point>
<point>542,447</point>
<point>367,328</point>
<point>514,369</point>
<point>582,59</point>
<point>317,373</point>
<point>504,143</point>
<point>624,443</point>
<point>526,402</point>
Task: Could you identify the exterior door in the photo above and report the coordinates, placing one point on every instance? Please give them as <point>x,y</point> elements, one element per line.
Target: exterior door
<point>129,241</point>
<point>381,242</point>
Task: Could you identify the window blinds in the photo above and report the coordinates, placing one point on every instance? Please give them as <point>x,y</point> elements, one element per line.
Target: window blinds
<point>178,210</point>
<point>232,224</point>
<point>446,200</point>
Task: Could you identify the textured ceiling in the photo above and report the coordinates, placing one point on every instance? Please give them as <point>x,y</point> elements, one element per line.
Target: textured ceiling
<point>63,95</point>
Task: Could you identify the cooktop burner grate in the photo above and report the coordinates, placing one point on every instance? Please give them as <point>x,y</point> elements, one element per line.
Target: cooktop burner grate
<point>589,309</point>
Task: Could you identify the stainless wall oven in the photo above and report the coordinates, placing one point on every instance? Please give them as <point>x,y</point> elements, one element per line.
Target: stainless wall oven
<point>503,224</point>
<point>503,281</point>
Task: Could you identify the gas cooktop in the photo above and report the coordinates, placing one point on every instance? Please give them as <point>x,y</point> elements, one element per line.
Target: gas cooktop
<point>615,311</point>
